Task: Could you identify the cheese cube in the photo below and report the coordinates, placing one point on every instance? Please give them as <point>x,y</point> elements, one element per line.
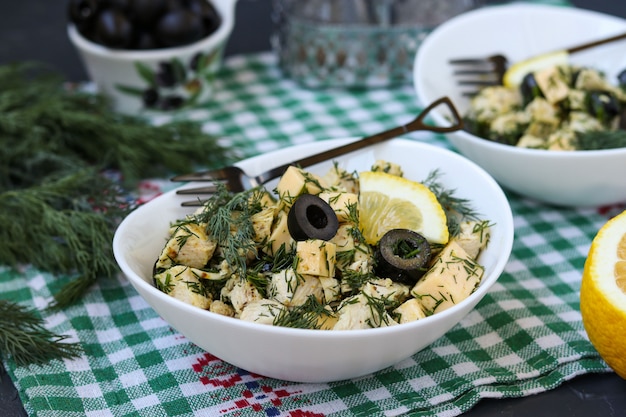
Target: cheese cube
<point>316,257</point>
<point>295,182</point>
<point>553,84</point>
<point>453,276</point>
<point>409,311</point>
<point>340,202</point>
<point>280,234</point>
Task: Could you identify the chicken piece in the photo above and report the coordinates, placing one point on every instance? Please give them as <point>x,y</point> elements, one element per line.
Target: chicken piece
<point>473,237</point>
<point>362,312</point>
<point>240,292</point>
<point>338,179</point>
<point>188,245</point>
<point>262,224</point>
<point>183,283</point>
<point>388,167</point>
<point>293,289</point>
<point>261,311</point>
<point>331,288</point>
<point>220,307</point>
<point>386,288</point>
<point>493,101</point>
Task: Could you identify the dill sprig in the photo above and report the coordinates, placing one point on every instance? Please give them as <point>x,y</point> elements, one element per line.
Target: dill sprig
<point>453,206</point>
<point>63,226</point>
<point>58,204</point>
<point>310,315</point>
<point>228,219</point>
<point>25,340</point>
<point>602,139</point>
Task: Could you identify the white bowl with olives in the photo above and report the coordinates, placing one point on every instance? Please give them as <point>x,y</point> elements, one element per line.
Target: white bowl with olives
<point>151,55</point>
<point>313,354</point>
<point>547,170</point>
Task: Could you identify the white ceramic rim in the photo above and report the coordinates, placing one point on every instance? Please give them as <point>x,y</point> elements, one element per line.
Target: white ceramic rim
<point>440,119</point>
<point>487,282</point>
<point>226,9</point>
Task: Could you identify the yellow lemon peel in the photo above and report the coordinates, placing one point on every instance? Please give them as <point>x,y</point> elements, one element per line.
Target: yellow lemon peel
<point>389,202</point>
<point>603,293</point>
<point>515,74</point>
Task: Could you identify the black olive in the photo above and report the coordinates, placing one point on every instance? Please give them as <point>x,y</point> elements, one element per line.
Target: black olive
<point>146,12</point>
<point>179,27</point>
<point>144,40</point>
<point>113,29</point>
<point>82,11</point>
<point>602,105</point>
<point>402,255</point>
<point>529,88</point>
<point>310,217</point>
<point>210,18</point>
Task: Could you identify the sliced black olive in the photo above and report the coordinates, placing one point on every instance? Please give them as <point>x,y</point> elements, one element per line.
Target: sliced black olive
<point>402,255</point>
<point>310,217</point>
<point>529,88</point>
<point>602,105</point>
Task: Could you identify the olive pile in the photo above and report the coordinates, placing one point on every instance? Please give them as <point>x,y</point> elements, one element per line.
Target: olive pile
<point>143,24</point>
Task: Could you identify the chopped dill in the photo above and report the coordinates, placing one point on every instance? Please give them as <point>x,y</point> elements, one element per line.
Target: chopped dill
<point>452,205</point>
<point>310,315</point>
<point>228,219</point>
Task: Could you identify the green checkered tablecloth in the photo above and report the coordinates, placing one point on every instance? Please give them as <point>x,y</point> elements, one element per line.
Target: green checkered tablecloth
<point>524,338</point>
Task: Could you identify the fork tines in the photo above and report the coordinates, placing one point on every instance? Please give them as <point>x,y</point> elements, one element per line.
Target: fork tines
<point>479,72</point>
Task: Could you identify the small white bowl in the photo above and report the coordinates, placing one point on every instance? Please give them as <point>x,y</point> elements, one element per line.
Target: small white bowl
<point>123,75</point>
<point>563,178</point>
<point>317,355</point>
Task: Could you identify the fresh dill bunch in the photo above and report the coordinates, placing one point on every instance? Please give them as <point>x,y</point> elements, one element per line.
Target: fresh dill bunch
<point>64,226</point>
<point>45,127</point>
<point>25,340</point>
<point>601,139</point>
<point>452,205</point>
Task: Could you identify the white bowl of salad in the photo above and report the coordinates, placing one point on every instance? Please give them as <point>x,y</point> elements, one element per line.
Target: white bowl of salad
<point>558,149</point>
<point>279,312</point>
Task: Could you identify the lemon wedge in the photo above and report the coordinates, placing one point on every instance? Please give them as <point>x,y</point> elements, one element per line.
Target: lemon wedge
<point>603,293</point>
<point>389,202</point>
<point>515,74</point>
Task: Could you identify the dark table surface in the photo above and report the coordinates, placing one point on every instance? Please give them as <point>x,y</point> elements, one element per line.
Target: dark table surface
<point>34,30</point>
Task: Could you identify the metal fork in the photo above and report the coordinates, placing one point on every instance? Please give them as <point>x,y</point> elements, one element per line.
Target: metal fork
<point>236,180</point>
<point>486,71</point>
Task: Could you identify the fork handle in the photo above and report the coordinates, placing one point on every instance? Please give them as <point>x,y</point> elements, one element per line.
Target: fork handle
<point>414,125</point>
<point>595,43</point>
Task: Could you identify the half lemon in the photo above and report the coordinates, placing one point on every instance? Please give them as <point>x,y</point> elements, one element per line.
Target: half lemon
<point>515,74</point>
<point>389,202</point>
<point>603,293</point>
